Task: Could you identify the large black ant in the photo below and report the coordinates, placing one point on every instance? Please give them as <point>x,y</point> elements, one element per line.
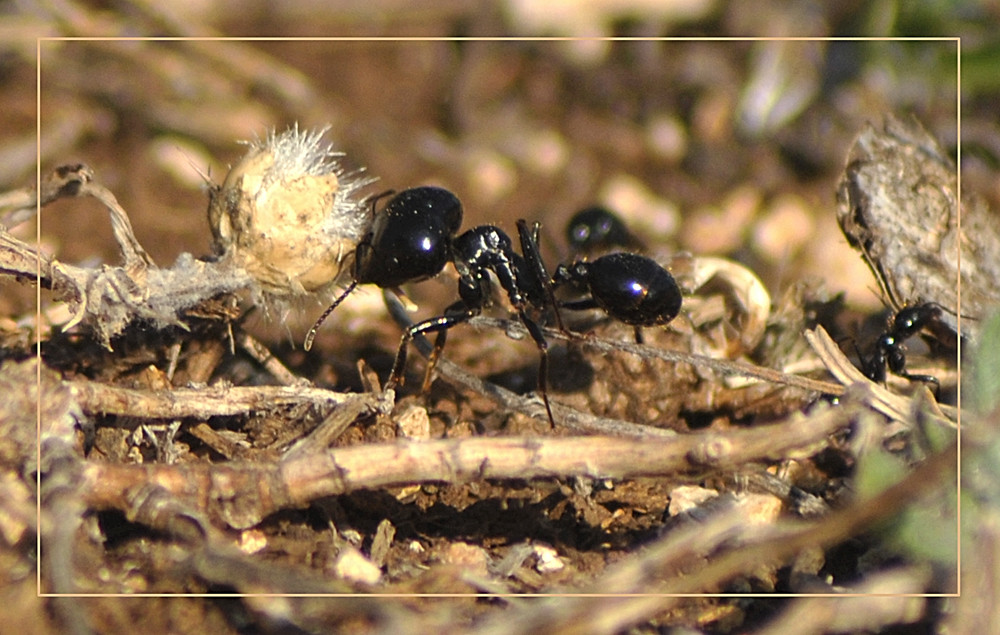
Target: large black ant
<point>413,237</point>
<point>890,353</point>
<point>416,234</point>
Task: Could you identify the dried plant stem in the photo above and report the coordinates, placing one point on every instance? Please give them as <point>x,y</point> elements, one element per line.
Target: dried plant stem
<point>241,495</point>
<point>533,407</point>
<point>228,401</point>
<point>722,366</point>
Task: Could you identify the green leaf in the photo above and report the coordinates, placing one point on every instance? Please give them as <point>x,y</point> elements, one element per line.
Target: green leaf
<point>985,366</point>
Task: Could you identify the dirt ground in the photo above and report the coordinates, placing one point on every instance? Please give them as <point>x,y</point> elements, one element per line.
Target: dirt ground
<point>721,476</point>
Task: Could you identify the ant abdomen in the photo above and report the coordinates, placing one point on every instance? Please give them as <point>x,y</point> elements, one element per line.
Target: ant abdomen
<point>630,288</point>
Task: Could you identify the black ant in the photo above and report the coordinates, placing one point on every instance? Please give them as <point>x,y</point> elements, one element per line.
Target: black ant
<point>890,353</point>
<point>414,237</point>
<point>597,228</point>
<point>631,288</point>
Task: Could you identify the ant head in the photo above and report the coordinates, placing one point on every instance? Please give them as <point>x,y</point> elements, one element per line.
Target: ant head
<point>410,238</point>
<point>911,319</point>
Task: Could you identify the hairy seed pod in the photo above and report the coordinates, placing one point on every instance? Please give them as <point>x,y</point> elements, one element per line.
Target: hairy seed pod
<point>289,215</point>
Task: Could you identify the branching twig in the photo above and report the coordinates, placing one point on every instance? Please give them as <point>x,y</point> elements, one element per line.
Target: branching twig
<point>109,298</point>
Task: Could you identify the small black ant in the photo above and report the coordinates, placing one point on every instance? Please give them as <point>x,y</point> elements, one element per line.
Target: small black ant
<point>890,353</point>
<point>597,228</point>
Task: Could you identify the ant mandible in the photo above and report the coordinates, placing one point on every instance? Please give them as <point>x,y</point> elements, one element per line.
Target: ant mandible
<point>890,353</point>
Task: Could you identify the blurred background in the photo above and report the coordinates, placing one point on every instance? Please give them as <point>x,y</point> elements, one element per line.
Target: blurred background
<point>726,148</point>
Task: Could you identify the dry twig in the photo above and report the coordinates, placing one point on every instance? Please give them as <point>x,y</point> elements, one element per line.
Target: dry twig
<point>241,495</point>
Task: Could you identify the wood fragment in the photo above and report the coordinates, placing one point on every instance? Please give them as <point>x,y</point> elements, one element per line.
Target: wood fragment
<point>179,403</point>
<point>899,206</point>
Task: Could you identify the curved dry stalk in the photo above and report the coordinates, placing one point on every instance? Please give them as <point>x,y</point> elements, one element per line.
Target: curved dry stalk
<point>242,495</point>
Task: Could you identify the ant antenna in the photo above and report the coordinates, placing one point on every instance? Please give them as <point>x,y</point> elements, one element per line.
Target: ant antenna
<point>311,335</point>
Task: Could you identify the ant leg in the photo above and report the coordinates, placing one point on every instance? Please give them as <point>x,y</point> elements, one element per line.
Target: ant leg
<point>896,361</point>
<point>872,367</point>
<point>638,335</point>
<point>438,324</point>
<point>529,247</point>
<point>432,360</point>
<point>311,335</point>
<point>927,379</point>
<point>543,365</point>
<point>439,342</point>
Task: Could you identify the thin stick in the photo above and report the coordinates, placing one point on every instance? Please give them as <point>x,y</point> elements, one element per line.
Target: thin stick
<point>723,366</point>
<point>98,398</point>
